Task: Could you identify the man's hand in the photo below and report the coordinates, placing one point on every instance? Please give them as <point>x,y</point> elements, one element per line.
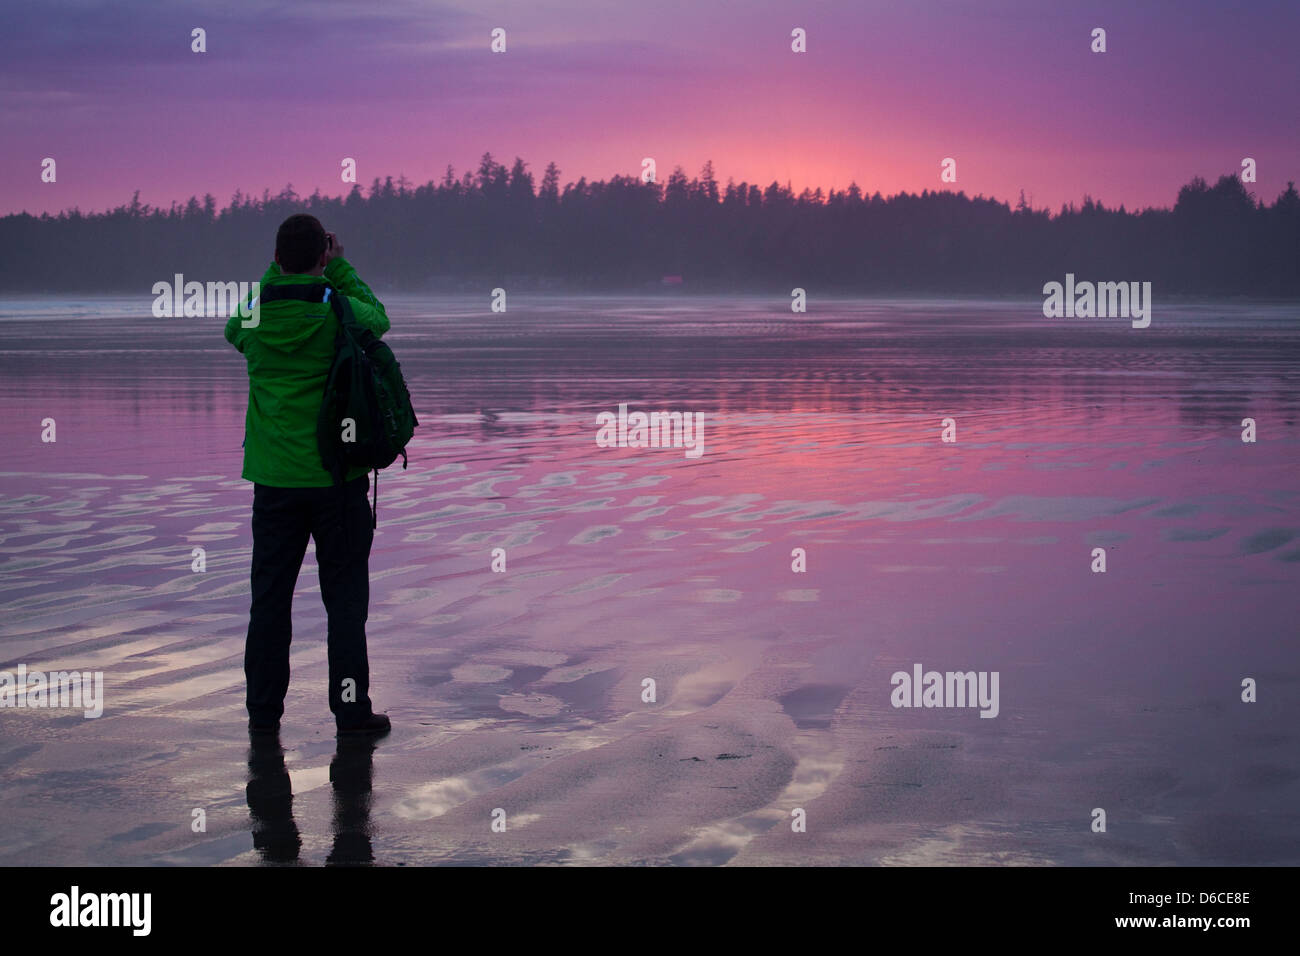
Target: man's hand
<point>333,248</point>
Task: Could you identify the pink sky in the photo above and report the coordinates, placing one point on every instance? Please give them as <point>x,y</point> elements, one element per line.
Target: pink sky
<point>1008,88</point>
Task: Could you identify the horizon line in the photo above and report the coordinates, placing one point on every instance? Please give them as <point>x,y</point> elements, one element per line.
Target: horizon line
<point>390,180</point>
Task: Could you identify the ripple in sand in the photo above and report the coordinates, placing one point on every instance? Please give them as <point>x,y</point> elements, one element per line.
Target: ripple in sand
<point>180,585</point>
<point>236,589</point>
<point>30,564</point>
<point>83,596</point>
<point>44,475</point>
<point>521,658</point>
<point>407,595</point>
<point>742,503</point>
<point>128,541</point>
<point>197,512</point>
<point>715,844</point>
<point>593,584</point>
<point>49,544</point>
<point>967,845</point>
<point>574,672</point>
<point>640,592</point>
<point>598,533</point>
<point>212,527</point>
<point>718,595</point>
<point>143,559</point>
<point>435,799</point>
<point>1194,534</point>
<point>159,491</point>
<point>30,528</point>
<point>1266,540</point>
<point>480,673</point>
<point>533,705</point>
<point>1034,508</point>
<point>1106,537</point>
<point>475,537</point>
<point>25,583</point>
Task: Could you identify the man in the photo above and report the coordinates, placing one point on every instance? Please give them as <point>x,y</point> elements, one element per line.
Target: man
<point>289,347</point>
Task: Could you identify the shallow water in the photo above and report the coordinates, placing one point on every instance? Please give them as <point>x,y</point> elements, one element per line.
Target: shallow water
<point>523,690</point>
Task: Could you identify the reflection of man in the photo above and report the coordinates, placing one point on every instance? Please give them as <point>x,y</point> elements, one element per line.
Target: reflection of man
<point>352,773</point>
<point>289,349</point>
<point>270,801</point>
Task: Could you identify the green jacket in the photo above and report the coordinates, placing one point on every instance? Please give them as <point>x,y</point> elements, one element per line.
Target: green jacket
<point>289,354</point>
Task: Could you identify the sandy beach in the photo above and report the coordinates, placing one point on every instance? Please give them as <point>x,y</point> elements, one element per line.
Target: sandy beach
<point>522,690</point>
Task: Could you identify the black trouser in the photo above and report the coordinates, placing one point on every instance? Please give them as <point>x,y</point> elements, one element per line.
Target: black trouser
<point>339,519</point>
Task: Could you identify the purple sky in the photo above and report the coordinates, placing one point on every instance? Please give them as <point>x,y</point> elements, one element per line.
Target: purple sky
<point>1008,88</point>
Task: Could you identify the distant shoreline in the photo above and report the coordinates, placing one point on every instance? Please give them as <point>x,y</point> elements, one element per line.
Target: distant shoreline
<point>686,235</point>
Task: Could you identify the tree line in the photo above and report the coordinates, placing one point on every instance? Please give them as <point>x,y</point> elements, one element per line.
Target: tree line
<point>496,225</point>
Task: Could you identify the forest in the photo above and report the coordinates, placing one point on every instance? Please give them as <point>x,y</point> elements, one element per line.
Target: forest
<point>497,226</point>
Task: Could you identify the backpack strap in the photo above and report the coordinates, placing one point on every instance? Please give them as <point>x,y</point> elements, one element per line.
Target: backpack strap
<point>342,308</point>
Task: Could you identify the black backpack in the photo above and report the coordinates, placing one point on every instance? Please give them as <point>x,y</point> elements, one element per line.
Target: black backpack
<point>365,394</point>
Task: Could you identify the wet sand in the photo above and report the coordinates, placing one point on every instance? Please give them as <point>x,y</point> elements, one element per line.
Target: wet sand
<point>523,690</point>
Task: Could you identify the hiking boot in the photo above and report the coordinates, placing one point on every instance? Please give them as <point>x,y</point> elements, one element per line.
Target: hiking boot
<point>376,724</point>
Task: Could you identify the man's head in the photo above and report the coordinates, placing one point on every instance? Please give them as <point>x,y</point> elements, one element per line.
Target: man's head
<point>300,245</point>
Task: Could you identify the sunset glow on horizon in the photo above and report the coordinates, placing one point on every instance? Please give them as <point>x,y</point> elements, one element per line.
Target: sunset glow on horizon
<point>886,91</point>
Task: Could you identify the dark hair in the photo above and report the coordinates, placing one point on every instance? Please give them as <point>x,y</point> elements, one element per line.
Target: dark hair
<point>299,243</point>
